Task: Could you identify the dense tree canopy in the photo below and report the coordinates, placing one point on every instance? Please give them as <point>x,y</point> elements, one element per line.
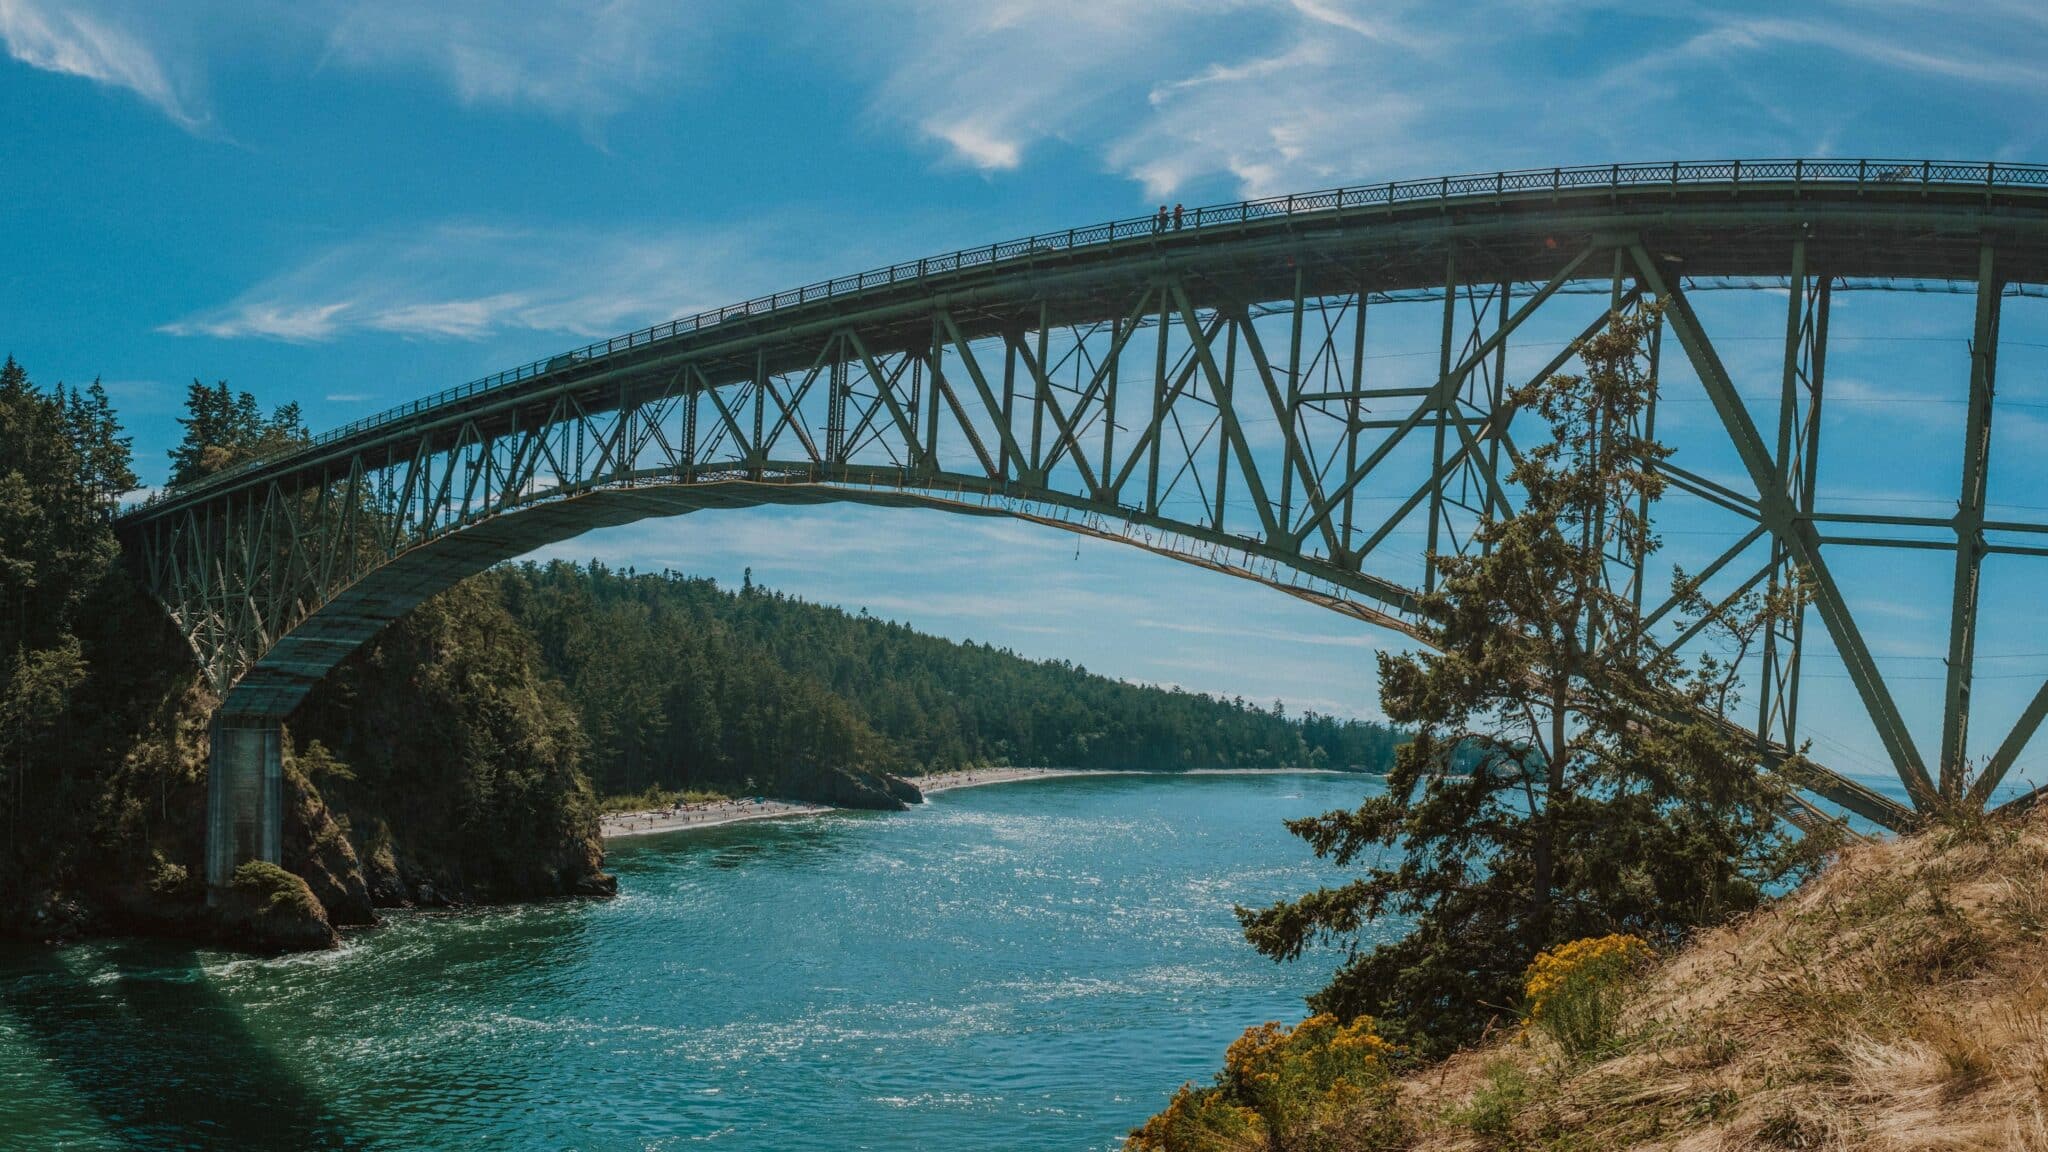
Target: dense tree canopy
<point>68,709</point>
<point>224,427</point>
<point>681,683</point>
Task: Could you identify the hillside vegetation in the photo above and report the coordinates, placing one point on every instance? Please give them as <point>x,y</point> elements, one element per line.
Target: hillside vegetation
<point>683,684</point>
<point>1897,1002</point>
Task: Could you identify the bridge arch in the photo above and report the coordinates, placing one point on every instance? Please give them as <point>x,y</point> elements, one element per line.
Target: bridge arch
<point>1204,392</point>
<point>276,683</point>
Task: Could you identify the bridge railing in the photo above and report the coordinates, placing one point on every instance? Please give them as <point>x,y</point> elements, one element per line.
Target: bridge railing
<point>1886,174</point>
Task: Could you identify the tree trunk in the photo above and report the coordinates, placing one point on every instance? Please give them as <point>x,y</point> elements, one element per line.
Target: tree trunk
<point>1543,857</point>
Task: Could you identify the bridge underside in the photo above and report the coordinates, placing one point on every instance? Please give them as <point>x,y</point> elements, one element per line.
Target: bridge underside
<point>1318,399</point>
<point>275,685</point>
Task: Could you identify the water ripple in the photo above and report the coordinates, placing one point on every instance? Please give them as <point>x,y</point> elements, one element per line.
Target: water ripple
<point>1031,967</point>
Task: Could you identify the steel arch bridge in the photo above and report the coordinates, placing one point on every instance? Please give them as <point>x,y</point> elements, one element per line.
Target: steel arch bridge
<point>1197,387</point>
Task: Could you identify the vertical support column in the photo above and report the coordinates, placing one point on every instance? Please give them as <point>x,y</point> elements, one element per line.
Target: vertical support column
<point>693,393</point>
<point>1641,558</point>
<point>931,415</point>
<point>1158,412</point>
<point>1108,469</point>
<point>1809,479</point>
<point>1597,534</point>
<point>1496,402</point>
<point>1796,318</point>
<point>244,794</point>
<point>1223,401</point>
<point>759,451</point>
<point>835,403</point>
<point>1962,627</point>
<point>1291,429</point>
<point>1447,398</point>
<point>1038,395</point>
<point>1030,468</point>
<point>1798,470</point>
<point>1353,417</point>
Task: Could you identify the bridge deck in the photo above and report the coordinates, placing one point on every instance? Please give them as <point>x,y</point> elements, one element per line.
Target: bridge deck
<point>842,390</point>
<point>1861,218</point>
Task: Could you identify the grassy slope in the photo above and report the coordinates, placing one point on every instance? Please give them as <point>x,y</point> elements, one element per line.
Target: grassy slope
<point>1898,1001</point>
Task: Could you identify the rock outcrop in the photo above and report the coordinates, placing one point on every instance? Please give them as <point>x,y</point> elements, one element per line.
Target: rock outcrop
<point>268,909</point>
<point>853,788</point>
<point>317,850</point>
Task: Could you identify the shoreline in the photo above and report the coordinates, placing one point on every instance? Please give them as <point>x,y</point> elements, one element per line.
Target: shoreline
<point>621,825</point>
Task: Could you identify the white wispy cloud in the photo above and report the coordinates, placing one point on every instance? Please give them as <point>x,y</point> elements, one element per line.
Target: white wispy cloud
<point>1267,122</point>
<point>1290,94</point>
<point>1268,94</point>
<point>585,59</point>
<point>1273,93</point>
<point>989,80</point>
<point>1891,45</point>
<point>467,281</point>
<point>582,60</point>
<point>74,40</point>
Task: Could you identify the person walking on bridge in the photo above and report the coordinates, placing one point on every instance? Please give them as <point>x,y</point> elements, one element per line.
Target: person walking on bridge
<point>1159,221</point>
<point>1176,217</point>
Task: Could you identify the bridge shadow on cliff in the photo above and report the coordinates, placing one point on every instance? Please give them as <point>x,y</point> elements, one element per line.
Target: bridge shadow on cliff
<point>149,1043</point>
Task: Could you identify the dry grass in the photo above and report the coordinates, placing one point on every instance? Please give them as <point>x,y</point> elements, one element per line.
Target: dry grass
<point>1897,1002</point>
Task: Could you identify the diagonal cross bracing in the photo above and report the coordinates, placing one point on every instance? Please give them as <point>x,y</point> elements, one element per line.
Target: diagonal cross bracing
<point>939,385</point>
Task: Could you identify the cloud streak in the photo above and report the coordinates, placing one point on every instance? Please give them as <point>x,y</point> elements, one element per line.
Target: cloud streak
<point>581,59</point>
<point>1288,94</point>
<point>470,281</point>
<point>72,41</point>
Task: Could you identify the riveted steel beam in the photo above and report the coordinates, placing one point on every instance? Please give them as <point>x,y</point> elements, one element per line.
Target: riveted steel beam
<point>251,564</point>
<point>1969,529</point>
<point>1780,516</point>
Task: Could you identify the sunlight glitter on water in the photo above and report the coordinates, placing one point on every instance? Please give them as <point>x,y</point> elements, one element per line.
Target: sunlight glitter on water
<point>1028,966</point>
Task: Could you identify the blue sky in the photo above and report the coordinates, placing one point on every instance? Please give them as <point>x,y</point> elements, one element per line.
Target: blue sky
<point>349,203</point>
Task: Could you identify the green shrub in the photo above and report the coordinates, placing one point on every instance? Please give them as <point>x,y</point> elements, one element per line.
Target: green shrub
<point>1201,1120</point>
<point>167,878</point>
<point>276,891</point>
<point>1319,1086</point>
<point>1490,1114</point>
<point>1574,993</point>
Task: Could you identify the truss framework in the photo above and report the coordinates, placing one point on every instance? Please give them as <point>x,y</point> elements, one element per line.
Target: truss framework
<point>1235,422</point>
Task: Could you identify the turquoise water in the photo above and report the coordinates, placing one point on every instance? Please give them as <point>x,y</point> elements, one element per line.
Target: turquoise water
<point>1020,967</point>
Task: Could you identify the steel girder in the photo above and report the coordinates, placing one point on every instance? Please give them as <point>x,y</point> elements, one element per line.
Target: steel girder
<point>1205,395</point>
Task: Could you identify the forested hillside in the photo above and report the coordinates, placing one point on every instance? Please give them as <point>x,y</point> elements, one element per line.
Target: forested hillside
<point>683,684</point>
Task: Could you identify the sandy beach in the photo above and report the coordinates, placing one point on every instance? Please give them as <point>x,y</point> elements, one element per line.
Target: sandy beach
<point>977,777</point>
<point>614,825</point>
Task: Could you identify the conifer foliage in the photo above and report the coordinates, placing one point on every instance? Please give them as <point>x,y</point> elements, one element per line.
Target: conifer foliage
<point>1568,778</point>
<point>683,684</point>
<point>224,428</point>
<point>63,463</point>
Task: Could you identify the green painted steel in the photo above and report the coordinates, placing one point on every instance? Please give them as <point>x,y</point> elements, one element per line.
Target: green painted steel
<point>1116,380</point>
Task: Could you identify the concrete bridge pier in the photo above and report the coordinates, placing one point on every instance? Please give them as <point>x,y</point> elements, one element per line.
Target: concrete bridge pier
<point>244,795</point>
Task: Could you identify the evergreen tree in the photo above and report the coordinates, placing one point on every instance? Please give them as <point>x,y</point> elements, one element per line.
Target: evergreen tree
<point>224,428</point>
<point>105,456</point>
<point>682,684</point>
<point>56,547</point>
<point>1568,778</point>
